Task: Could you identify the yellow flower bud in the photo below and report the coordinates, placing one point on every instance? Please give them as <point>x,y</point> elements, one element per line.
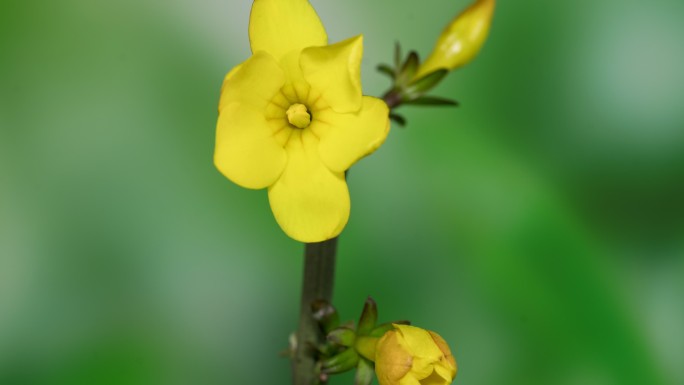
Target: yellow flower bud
<point>409,355</point>
<point>461,40</point>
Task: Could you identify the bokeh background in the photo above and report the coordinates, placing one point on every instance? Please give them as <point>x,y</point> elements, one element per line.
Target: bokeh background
<point>539,227</point>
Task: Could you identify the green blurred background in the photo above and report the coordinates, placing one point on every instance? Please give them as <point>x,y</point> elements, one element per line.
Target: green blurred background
<point>539,227</point>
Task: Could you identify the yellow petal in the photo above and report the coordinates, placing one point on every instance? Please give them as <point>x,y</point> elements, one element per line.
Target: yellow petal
<point>445,373</point>
<point>419,342</point>
<point>253,83</point>
<point>226,80</point>
<point>392,361</point>
<point>422,367</point>
<point>335,71</point>
<point>408,380</point>
<point>281,26</point>
<point>448,361</point>
<point>309,202</point>
<point>296,89</point>
<point>246,151</point>
<point>435,378</point>
<point>346,138</point>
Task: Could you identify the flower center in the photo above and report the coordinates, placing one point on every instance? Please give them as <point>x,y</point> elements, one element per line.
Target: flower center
<point>298,115</point>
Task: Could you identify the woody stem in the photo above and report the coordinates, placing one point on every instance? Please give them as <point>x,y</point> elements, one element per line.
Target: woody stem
<point>318,281</point>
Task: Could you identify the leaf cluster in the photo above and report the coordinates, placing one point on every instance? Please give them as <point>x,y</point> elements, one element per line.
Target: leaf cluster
<point>407,89</point>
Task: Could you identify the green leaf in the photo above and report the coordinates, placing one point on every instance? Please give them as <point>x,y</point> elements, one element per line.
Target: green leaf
<point>432,101</point>
<point>397,55</point>
<point>420,86</point>
<point>385,69</point>
<point>364,373</point>
<point>398,119</point>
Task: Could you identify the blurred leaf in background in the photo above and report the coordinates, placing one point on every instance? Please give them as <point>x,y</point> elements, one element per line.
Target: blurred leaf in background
<point>547,210</point>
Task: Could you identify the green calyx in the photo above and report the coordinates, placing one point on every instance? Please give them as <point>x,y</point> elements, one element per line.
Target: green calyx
<point>348,347</point>
<point>408,88</point>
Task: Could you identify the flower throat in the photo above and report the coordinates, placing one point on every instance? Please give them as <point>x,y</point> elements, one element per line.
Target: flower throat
<point>298,115</point>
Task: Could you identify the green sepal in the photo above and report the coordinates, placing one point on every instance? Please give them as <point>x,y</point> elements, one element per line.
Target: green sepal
<point>385,69</point>
<point>420,86</point>
<point>326,349</point>
<point>342,362</point>
<point>397,55</point>
<point>366,346</point>
<point>384,328</point>
<point>364,372</point>
<point>398,119</point>
<point>433,101</point>
<point>369,317</point>
<point>342,336</point>
<point>409,69</point>
<point>325,314</point>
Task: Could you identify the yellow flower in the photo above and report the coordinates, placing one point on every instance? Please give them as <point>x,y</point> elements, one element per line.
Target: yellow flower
<point>461,40</point>
<point>292,118</point>
<point>409,355</point>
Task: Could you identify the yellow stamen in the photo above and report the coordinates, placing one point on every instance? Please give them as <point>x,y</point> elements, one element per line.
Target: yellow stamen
<point>298,115</point>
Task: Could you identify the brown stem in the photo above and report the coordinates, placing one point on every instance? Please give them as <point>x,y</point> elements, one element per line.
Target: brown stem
<point>318,281</point>
<point>393,99</point>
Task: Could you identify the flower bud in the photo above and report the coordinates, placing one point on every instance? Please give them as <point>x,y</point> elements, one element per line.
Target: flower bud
<point>411,355</point>
<point>369,317</point>
<point>461,40</point>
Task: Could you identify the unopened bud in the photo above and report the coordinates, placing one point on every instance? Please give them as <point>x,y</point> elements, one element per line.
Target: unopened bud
<point>410,355</point>
<point>461,40</point>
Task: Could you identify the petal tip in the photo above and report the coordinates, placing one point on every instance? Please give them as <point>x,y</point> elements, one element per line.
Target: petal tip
<point>280,26</point>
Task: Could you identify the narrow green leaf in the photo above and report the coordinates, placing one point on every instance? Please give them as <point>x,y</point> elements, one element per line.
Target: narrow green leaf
<point>342,362</point>
<point>409,69</point>
<point>432,101</point>
<point>420,86</point>
<point>385,69</point>
<point>398,119</point>
<point>397,55</point>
